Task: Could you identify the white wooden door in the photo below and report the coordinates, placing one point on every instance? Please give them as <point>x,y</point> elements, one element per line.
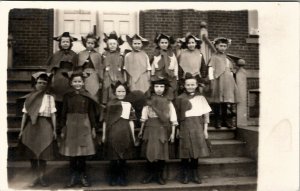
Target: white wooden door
<point>81,22</point>
<point>124,23</point>
<point>77,22</point>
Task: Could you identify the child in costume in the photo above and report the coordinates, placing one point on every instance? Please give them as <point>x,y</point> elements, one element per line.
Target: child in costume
<point>118,134</point>
<point>138,70</point>
<point>113,63</point>
<point>61,61</point>
<point>90,62</point>
<point>193,116</point>
<point>164,64</point>
<point>38,126</point>
<point>191,60</point>
<point>137,64</point>
<point>157,121</point>
<point>224,89</point>
<point>79,120</point>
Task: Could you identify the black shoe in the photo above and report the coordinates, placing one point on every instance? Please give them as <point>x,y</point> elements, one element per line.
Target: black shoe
<point>123,181</point>
<point>34,183</point>
<point>113,181</point>
<point>147,179</point>
<point>185,178</point>
<point>228,125</point>
<point>160,179</point>
<point>84,181</point>
<point>218,124</point>
<point>196,177</point>
<point>73,181</point>
<point>42,182</point>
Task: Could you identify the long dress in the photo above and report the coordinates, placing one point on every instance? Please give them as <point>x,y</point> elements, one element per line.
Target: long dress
<point>91,63</point>
<point>193,111</point>
<point>224,88</point>
<point>192,62</point>
<point>37,134</point>
<point>137,65</point>
<point>113,63</point>
<point>119,144</point>
<point>158,118</point>
<point>79,117</point>
<point>60,85</point>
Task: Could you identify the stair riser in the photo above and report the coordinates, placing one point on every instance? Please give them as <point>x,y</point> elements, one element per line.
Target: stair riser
<point>21,74</point>
<point>221,135</point>
<point>12,96</point>
<point>19,85</point>
<point>11,108</point>
<point>136,171</point>
<point>232,150</point>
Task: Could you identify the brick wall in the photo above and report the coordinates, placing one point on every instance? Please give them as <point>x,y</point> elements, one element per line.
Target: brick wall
<point>231,24</point>
<point>32,30</point>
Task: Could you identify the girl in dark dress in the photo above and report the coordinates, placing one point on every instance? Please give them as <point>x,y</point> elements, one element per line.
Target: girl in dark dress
<point>79,120</point>
<point>118,134</point>
<point>193,114</point>
<point>158,123</point>
<point>61,61</point>
<point>38,127</point>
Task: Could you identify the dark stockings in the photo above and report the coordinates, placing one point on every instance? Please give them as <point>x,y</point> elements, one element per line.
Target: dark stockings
<point>118,172</point>
<point>78,170</point>
<point>187,167</point>
<point>39,168</point>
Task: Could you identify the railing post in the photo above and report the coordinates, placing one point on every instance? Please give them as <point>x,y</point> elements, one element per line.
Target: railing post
<point>10,44</point>
<point>241,80</point>
<point>205,46</point>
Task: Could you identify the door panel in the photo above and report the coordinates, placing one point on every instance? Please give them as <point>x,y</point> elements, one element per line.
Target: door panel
<point>78,22</point>
<point>81,22</point>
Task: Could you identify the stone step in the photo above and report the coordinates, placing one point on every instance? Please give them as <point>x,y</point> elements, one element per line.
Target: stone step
<point>14,94</point>
<point>18,84</point>
<point>22,73</point>
<point>219,148</point>
<point>22,181</point>
<point>208,167</point>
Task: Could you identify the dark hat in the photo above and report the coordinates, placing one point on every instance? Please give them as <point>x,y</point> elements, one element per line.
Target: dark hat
<point>93,36</point>
<point>163,36</point>
<point>188,36</point>
<point>136,37</point>
<point>65,34</point>
<point>43,75</point>
<point>221,40</point>
<point>118,83</point>
<point>158,80</point>
<point>71,74</point>
<point>113,35</point>
<point>189,76</point>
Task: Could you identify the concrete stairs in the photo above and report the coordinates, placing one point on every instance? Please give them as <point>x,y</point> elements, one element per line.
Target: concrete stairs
<point>227,168</point>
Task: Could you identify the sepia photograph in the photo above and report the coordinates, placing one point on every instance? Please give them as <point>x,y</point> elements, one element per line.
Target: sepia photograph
<point>138,96</point>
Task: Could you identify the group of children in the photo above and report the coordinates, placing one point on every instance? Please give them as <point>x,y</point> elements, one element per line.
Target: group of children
<point>80,91</point>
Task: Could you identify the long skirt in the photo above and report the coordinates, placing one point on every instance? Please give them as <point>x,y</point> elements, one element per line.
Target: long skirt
<point>78,139</point>
<point>225,89</point>
<point>192,142</point>
<point>155,140</point>
<point>37,140</point>
<point>119,144</point>
<point>92,83</point>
